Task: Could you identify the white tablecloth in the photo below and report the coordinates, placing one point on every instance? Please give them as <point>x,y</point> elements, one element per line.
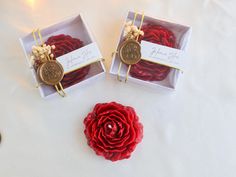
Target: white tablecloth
<point>187,133</point>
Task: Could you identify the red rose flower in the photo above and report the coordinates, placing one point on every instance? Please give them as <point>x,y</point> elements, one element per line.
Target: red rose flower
<point>65,44</point>
<point>150,71</point>
<point>113,130</point>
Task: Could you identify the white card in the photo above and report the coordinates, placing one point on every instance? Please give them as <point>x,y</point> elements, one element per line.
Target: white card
<point>162,54</point>
<point>80,57</point>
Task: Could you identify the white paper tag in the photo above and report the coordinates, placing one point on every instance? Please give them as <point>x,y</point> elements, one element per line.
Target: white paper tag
<point>162,54</point>
<point>80,57</point>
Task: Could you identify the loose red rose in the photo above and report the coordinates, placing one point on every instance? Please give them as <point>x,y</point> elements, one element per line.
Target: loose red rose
<point>150,71</point>
<point>113,130</point>
<point>65,44</point>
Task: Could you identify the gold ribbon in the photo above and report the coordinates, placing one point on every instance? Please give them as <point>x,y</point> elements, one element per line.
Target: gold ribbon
<point>59,88</point>
<point>129,67</point>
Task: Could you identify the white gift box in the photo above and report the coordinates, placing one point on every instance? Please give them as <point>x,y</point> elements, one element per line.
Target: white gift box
<point>175,56</point>
<point>76,28</point>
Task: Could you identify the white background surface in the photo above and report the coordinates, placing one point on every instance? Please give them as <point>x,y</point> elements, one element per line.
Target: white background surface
<point>187,133</point>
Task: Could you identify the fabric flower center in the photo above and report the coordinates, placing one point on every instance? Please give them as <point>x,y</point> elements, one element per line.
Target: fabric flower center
<point>110,128</point>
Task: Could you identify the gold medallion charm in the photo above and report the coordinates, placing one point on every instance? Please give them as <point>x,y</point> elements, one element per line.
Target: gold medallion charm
<point>130,52</point>
<point>51,72</point>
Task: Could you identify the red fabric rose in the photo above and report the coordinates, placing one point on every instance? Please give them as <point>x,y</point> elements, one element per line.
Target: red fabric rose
<point>113,130</point>
<point>150,71</point>
<point>65,44</point>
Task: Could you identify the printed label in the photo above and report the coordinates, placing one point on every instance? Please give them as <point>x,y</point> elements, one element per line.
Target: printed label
<point>80,57</point>
<point>162,54</point>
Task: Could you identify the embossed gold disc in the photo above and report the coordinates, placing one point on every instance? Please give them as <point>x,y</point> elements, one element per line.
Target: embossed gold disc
<point>51,72</point>
<point>130,52</point>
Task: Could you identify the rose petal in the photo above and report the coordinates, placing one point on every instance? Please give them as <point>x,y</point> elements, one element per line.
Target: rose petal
<point>113,130</point>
